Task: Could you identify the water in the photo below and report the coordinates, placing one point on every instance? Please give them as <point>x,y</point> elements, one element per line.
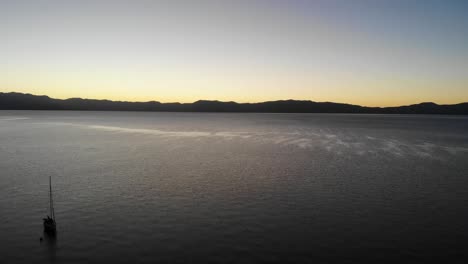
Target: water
<point>235,188</point>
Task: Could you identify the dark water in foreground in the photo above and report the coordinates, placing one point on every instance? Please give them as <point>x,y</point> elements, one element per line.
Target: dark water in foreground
<point>234,188</point>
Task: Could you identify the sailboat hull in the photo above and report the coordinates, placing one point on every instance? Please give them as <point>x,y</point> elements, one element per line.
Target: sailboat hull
<point>49,228</point>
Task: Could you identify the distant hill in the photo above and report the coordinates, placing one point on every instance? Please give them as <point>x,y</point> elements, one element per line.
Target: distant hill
<point>20,101</point>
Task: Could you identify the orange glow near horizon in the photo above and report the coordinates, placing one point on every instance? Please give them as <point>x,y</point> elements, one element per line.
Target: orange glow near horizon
<point>168,87</point>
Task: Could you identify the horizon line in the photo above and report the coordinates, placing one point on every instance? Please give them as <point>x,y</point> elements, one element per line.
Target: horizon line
<point>216,100</point>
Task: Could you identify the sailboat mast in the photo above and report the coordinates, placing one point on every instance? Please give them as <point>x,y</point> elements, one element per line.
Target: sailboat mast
<point>52,213</point>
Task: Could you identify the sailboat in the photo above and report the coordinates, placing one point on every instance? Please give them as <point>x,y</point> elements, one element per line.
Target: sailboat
<point>49,222</point>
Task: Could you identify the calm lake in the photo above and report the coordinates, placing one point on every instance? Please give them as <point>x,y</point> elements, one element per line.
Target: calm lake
<point>134,187</point>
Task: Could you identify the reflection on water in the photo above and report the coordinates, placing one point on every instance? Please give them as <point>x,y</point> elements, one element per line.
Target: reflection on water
<point>248,188</point>
<point>49,243</point>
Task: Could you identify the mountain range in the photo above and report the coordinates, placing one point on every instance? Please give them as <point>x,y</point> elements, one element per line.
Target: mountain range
<point>21,101</point>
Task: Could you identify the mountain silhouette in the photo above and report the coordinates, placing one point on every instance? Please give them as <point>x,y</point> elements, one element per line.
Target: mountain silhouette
<point>20,101</point>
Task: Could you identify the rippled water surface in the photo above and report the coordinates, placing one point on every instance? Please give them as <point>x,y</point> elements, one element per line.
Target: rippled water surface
<point>235,188</point>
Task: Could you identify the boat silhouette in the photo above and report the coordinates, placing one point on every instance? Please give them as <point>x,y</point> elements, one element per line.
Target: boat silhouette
<point>50,226</point>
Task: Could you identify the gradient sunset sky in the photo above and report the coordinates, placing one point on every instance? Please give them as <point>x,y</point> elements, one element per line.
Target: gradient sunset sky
<point>368,52</point>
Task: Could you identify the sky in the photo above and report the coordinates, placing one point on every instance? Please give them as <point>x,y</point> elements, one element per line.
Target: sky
<point>367,52</point>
